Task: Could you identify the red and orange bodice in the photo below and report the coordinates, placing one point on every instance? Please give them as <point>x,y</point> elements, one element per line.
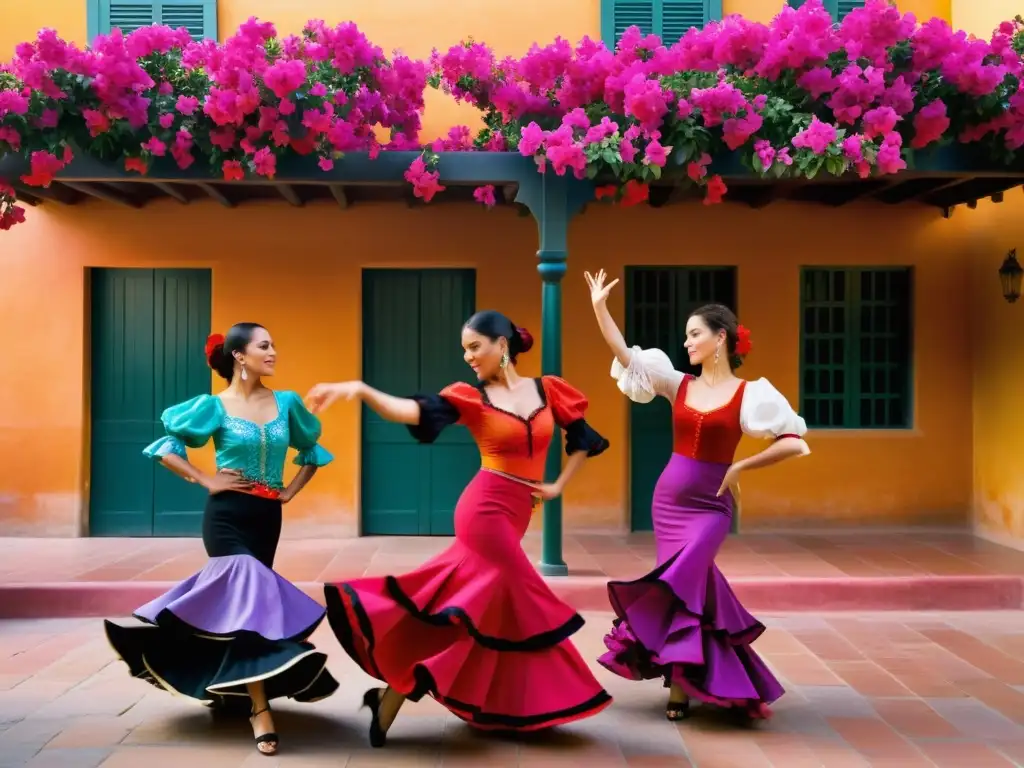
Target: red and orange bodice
<point>509,443</point>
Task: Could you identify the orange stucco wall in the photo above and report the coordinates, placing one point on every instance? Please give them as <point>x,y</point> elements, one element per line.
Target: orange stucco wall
<point>863,477</point>
<point>995,348</point>
<point>853,477</point>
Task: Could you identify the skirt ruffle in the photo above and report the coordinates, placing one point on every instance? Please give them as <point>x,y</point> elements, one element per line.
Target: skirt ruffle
<point>682,622</point>
<point>491,645</point>
<point>235,622</point>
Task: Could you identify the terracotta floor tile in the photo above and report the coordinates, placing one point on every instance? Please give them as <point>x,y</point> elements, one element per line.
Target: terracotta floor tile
<point>978,654</point>
<point>963,754</point>
<point>868,679</point>
<point>874,738</point>
<point>914,719</point>
<point>828,645</point>
<point>804,669</point>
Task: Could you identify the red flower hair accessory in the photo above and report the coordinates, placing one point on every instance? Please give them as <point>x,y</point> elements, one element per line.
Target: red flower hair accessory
<point>743,343</point>
<point>213,341</point>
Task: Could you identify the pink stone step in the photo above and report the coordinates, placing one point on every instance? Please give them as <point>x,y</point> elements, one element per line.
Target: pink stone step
<point>588,593</point>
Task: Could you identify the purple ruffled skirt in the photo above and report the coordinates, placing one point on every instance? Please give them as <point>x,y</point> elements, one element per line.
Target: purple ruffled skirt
<point>234,622</point>
<point>681,621</point>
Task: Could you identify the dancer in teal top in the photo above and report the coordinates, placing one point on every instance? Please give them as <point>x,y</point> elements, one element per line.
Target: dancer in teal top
<point>257,452</point>
<point>237,596</point>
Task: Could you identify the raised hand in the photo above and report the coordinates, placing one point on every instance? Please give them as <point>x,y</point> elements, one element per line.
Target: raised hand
<point>323,396</point>
<point>598,290</point>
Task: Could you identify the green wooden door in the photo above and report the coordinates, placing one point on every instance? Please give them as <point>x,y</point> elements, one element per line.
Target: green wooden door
<point>411,325</point>
<point>658,302</point>
<point>148,330</point>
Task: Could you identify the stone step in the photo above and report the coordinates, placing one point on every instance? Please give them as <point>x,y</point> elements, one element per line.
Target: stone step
<point>587,593</point>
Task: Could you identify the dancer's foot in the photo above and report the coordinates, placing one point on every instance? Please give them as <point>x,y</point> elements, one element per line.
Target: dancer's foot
<point>372,700</point>
<point>677,710</point>
<point>263,730</point>
<point>759,711</point>
<point>678,707</point>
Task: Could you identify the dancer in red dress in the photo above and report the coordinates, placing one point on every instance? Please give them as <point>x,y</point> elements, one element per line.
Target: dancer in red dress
<point>476,627</point>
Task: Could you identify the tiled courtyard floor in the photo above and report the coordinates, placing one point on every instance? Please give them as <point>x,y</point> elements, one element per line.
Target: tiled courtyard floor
<point>899,690</point>
<point>600,554</point>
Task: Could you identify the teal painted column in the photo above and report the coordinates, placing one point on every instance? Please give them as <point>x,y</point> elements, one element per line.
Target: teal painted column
<point>553,201</point>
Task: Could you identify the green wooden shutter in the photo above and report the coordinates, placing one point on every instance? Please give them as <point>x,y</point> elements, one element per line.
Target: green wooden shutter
<point>669,19</point>
<point>411,325</point>
<point>147,334</point>
<point>856,358</point>
<point>199,17</point>
<point>838,8</point>
<point>677,16</point>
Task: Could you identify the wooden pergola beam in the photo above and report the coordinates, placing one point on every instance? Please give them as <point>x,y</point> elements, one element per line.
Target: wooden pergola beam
<point>172,190</point>
<point>338,193</point>
<point>103,193</point>
<point>215,194</point>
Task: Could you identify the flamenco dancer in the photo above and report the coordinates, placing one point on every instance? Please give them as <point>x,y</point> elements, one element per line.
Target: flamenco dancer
<point>476,627</point>
<point>236,628</point>
<point>681,622</point>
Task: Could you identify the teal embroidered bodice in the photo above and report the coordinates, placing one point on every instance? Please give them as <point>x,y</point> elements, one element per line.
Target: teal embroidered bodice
<point>257,451</point>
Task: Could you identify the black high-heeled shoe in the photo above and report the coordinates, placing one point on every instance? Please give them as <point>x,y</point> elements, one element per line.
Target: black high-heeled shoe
<point>270,739</point>
<point>677,710</point>
<point>372,699</point>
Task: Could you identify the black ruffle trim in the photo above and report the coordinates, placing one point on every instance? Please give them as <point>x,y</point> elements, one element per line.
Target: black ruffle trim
<point>580,436</point>
<point>436,413</point>
<point>337,616</point>
<point>455,615</point>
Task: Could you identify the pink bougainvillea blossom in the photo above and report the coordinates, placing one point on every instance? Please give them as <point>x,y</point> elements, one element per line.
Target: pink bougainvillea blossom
<point>485,195</point>
<point>796,94</point>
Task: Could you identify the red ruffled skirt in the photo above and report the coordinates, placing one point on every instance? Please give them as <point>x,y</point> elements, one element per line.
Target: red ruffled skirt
<point>476,627</point>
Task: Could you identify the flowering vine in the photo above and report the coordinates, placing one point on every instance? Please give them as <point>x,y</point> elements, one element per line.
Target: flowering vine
<point>797,97</point>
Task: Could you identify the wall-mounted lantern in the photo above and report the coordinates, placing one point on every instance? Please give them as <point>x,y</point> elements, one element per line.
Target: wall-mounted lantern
<point>1010,277</point>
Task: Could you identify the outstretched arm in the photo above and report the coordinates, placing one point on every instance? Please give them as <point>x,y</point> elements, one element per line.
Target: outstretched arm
<point>612,335</point>
<point>401,410</point>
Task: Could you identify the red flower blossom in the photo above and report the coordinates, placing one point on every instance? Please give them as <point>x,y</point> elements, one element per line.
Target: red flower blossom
<point>232,170</point>
<point>634,193</point>
<point>743,342</point>
<point>716,190</point>
<point>213,341</point>
<point>137,164</point>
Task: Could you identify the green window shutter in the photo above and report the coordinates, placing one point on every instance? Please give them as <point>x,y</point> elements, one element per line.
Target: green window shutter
<point>618,15</point>
<point>838,8</point>
<point>856,359</point>
<point>669,19</point>
<point>199,17</point>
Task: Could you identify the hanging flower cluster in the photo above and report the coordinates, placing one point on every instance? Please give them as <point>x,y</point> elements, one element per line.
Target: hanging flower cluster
<point>796,97</point>
<point>237,107</point>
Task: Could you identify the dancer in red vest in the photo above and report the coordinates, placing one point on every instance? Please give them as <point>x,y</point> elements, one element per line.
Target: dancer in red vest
<point>681,622</point>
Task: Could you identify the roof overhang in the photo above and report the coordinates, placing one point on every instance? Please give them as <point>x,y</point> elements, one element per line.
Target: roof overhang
<point>943,177</point>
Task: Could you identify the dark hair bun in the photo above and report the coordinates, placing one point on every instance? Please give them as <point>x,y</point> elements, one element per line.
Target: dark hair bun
<point>221,362</point>
<point>525,339</point>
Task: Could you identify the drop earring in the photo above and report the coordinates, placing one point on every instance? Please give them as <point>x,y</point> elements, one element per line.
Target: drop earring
<point>504,360</point>
<point>241,373</point>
